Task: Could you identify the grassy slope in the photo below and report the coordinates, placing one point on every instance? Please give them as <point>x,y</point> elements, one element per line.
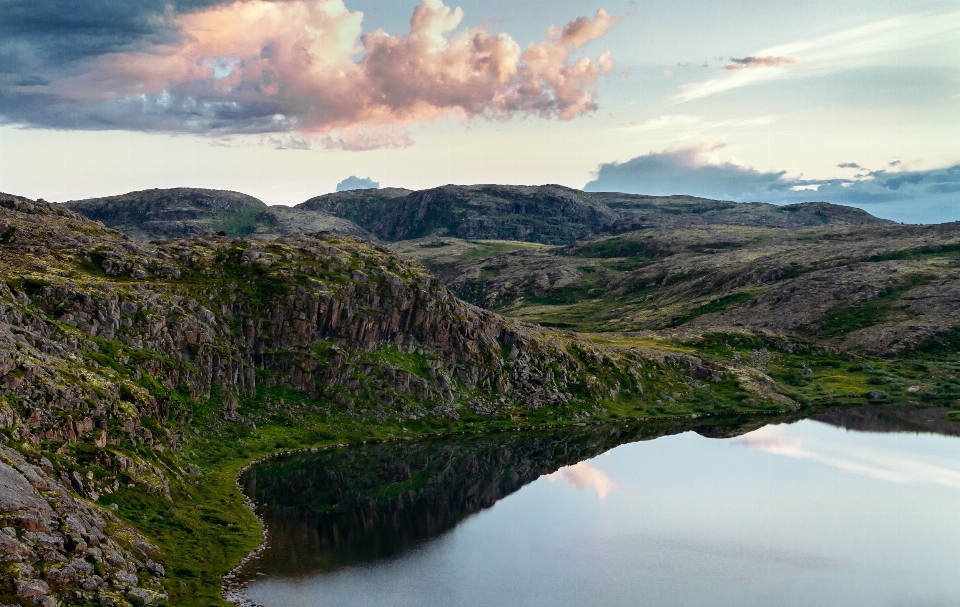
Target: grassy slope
<point>654,280</point>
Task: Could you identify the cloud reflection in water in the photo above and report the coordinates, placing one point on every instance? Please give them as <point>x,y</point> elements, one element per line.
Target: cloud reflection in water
<point>880,463</point>
<point>585,476</point>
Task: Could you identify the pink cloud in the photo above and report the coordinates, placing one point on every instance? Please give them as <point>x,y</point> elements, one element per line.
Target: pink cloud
<point>311,64</point>
<point>748,63</point>
<point>585,476</point>
<point>780,445</point>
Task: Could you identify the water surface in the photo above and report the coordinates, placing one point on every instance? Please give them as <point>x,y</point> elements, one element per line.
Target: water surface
<point>803,513</point>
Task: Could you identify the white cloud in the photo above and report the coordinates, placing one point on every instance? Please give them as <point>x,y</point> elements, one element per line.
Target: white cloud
<point>695,123</point>
<point>868,44</point>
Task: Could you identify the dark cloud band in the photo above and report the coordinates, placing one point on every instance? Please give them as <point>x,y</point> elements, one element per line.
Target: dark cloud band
<point>918,196</point>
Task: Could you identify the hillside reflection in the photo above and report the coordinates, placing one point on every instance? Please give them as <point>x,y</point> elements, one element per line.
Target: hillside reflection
<point>347,507</point>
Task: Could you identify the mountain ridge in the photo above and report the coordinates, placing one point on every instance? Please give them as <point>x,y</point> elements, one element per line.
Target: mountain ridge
<point>186,212</point>
<point>550,214</point>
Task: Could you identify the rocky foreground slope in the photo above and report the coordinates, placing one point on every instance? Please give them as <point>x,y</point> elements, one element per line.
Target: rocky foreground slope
<point>134,375</point>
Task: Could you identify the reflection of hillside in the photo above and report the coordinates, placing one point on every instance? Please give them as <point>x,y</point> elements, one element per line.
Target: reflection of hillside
<point>344,507</point>
<point>336,508</point>
<point>891,419</point>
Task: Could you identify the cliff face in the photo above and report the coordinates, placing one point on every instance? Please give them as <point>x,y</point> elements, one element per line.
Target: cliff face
<point>108,345</point>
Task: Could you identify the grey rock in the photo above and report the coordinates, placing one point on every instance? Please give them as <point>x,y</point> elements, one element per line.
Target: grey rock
<point>30,589</point>
<point>155,569</point>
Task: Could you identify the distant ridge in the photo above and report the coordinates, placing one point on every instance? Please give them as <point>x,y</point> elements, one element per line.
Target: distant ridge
<point>161,214</point>
<point>548,214</point>
<point>554,214</point>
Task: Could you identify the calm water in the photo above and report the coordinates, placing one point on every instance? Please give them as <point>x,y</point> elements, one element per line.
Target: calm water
<point>804,513</point>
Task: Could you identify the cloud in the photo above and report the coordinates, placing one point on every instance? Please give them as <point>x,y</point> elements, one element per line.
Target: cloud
<point>913,196</point>
<point>693,170</point>
<point>882,464</point>
<point>52,34</point>
<point>585,476</point>
<point>692,125</point>
<point>869,44</point>
<point>357,183</point>
<point>306,66</point>
<point>749,63</point>
<point>849,165</point>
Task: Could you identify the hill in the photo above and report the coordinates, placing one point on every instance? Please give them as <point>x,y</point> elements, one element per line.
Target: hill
<point>185,212</point>
<point>882,288</point>
<point>548,214</point>
<point>554,214</point>
<point>138,378</point>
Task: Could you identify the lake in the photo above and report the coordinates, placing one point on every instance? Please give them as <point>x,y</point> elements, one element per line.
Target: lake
<point>851,507</point>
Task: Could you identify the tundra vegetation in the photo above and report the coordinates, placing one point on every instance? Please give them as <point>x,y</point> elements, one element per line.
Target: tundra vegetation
<point>139,377</point>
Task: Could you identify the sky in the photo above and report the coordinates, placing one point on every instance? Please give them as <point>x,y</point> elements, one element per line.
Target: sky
<point>854,102</point>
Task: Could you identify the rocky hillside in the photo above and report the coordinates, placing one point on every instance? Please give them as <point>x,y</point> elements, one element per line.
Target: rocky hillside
<point>135,374</point>
<point>554,214</point>
<point>185,212</point>
<point>881,288</point>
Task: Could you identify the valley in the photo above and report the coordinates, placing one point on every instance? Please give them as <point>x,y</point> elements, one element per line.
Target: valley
<point>152,345</point>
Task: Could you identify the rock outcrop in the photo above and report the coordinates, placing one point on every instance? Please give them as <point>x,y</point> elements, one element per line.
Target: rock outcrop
<point>54,544</point>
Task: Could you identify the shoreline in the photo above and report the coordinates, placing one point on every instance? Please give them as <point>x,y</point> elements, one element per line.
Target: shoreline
<point>233,591</point>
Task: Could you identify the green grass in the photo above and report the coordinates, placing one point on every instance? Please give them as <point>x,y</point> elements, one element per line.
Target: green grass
<point>487,249</point>
<point>919,252</point>
<point>241,223</point>
<point>588,288</point>
<point>617,246</point>
<point>867,313</point>
<point>713,306</point>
